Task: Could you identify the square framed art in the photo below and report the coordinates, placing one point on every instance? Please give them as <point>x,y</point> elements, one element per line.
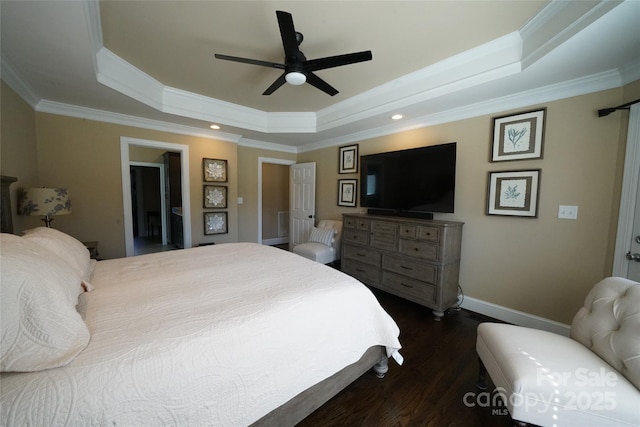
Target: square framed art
<point>518,136</point>
<point>215,223</point>
<point>513,193</point>
<point>347,192</point>
<point>214,170</point>
<point>215,196</point>
<point>348,159</point>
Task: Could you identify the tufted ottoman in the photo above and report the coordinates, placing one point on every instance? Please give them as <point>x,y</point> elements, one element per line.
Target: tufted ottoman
<point>590,379</point>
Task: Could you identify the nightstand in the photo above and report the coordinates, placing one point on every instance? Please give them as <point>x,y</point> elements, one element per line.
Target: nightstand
<point>93,249</point>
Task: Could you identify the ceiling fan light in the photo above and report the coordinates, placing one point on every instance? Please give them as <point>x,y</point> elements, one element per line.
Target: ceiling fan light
<point>295,78</point>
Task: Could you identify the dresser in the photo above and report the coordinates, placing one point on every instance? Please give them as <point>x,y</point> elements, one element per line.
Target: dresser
<point>415,259</point>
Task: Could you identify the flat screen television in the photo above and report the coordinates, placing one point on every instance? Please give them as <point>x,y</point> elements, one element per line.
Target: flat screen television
<point>416,182</point>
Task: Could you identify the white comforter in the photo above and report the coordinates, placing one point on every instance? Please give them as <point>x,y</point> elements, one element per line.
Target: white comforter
<point>218,335</point>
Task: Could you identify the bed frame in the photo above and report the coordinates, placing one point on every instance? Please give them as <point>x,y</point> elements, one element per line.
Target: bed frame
<point>298,408</point>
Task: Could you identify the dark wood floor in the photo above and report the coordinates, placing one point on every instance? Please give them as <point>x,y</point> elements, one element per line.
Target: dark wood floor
<point>440,368</point>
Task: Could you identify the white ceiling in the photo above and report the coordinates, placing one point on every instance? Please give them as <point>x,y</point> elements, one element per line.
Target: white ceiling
<point>151,64</point>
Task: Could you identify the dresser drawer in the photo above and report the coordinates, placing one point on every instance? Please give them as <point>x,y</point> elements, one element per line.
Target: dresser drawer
<point>419,249</point>
<point>412,289</point>
<point>350,222</point>
<point>431,234</point>
<point>367,274</point>
<point>362,254</point>
<point>413,269</point>
<point>408,230</point>
<point>355,236</point>
<point>363,224</point>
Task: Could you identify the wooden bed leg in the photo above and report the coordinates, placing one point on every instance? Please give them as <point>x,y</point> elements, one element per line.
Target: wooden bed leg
<point>381,367</point>
<point>482,375</point>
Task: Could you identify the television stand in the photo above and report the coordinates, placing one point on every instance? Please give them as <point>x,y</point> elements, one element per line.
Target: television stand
<point>415,259</point>
<point>403,214</point>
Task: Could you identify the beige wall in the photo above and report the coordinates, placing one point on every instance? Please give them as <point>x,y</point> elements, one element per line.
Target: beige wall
<point>248,188</point>
<point>18,148</point>
<point>543,266</point>
<point>84,156</point>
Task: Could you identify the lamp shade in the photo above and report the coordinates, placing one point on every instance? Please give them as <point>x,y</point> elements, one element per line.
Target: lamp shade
<point>44,201</point>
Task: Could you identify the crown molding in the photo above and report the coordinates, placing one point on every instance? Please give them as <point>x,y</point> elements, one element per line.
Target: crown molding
<point>252,143</point>
<point>18,84</point>
<point>556,23</point>
<point>582,86</point>
<point>69,110</point>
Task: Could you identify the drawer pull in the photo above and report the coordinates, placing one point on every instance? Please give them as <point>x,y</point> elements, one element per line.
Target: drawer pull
<point>405,285</point>
<point>359,270</point>
<point>416,249</point>
<point>360,255</point>
<point>406,268</point>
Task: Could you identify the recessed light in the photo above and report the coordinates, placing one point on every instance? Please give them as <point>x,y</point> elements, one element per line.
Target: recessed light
<point>397,117</point>
<point>216,127</point>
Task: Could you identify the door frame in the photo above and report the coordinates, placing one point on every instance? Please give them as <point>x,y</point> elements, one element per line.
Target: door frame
<point>163,203</point>
<point>262,160</point>
<point>125,143</point>
<point>630,178</point>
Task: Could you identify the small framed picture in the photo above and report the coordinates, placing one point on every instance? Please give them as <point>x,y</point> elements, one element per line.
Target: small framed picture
<point>215,196</point>
<point>215,223</point>
<point>519,136</point>
<point>348,159</point>
<point>214,170</point>
<point>347,191</point>
<point>513,193</point>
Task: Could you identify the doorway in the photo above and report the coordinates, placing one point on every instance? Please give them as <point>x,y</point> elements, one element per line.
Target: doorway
<point>148,205</point>
<point>264,191</point>
<point>125,145</point>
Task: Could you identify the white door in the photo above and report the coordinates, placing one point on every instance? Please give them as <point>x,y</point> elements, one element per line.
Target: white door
<point>626,261</point>
<point>302,207</point>
<point>634,253</point>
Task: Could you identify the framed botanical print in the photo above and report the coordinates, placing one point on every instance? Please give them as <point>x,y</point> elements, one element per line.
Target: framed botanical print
<point>513,193</point>
<point>348,159</point>
<point>214,170</point>
<point>215,196</point>
<point>347,192</point>
<point>518,136</point>
<point>215,223</point>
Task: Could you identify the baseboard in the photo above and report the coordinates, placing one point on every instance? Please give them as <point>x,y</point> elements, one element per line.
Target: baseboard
<point>516,317</point>
<point>275,241</point>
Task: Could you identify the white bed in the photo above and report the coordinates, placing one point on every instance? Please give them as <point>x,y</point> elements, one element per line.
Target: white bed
<point>216,335</point>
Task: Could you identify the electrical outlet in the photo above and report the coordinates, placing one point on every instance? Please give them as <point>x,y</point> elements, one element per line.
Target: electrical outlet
<point>568,212</point>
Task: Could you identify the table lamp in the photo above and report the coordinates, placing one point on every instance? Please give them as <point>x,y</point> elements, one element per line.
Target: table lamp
<point>45,201</point>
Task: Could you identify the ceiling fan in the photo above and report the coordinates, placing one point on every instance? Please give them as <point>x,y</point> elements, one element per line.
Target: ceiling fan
<point>297,69</point>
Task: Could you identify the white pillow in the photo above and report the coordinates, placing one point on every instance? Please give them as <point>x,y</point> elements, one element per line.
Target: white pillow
<point>41,327</point>
<point>322,235</point>
<point>69,249</point>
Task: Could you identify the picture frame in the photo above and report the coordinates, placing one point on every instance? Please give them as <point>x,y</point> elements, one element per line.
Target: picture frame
<point>518,136</point>
<point>347,192</point>
<point>215,197</point>
<point>348,159</point>
<point>214,170</point>
<point>215,223</point>
<point>514,193</point>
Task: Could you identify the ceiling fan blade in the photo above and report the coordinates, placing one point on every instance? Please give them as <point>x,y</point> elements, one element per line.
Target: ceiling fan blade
<point>275,85</point>
<point>316,81</point>
<point>288,34</point>
<point>337,61</point>
<point>250,61</point>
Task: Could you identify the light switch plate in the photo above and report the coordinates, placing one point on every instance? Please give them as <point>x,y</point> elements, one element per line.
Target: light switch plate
<point>568,212</point>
